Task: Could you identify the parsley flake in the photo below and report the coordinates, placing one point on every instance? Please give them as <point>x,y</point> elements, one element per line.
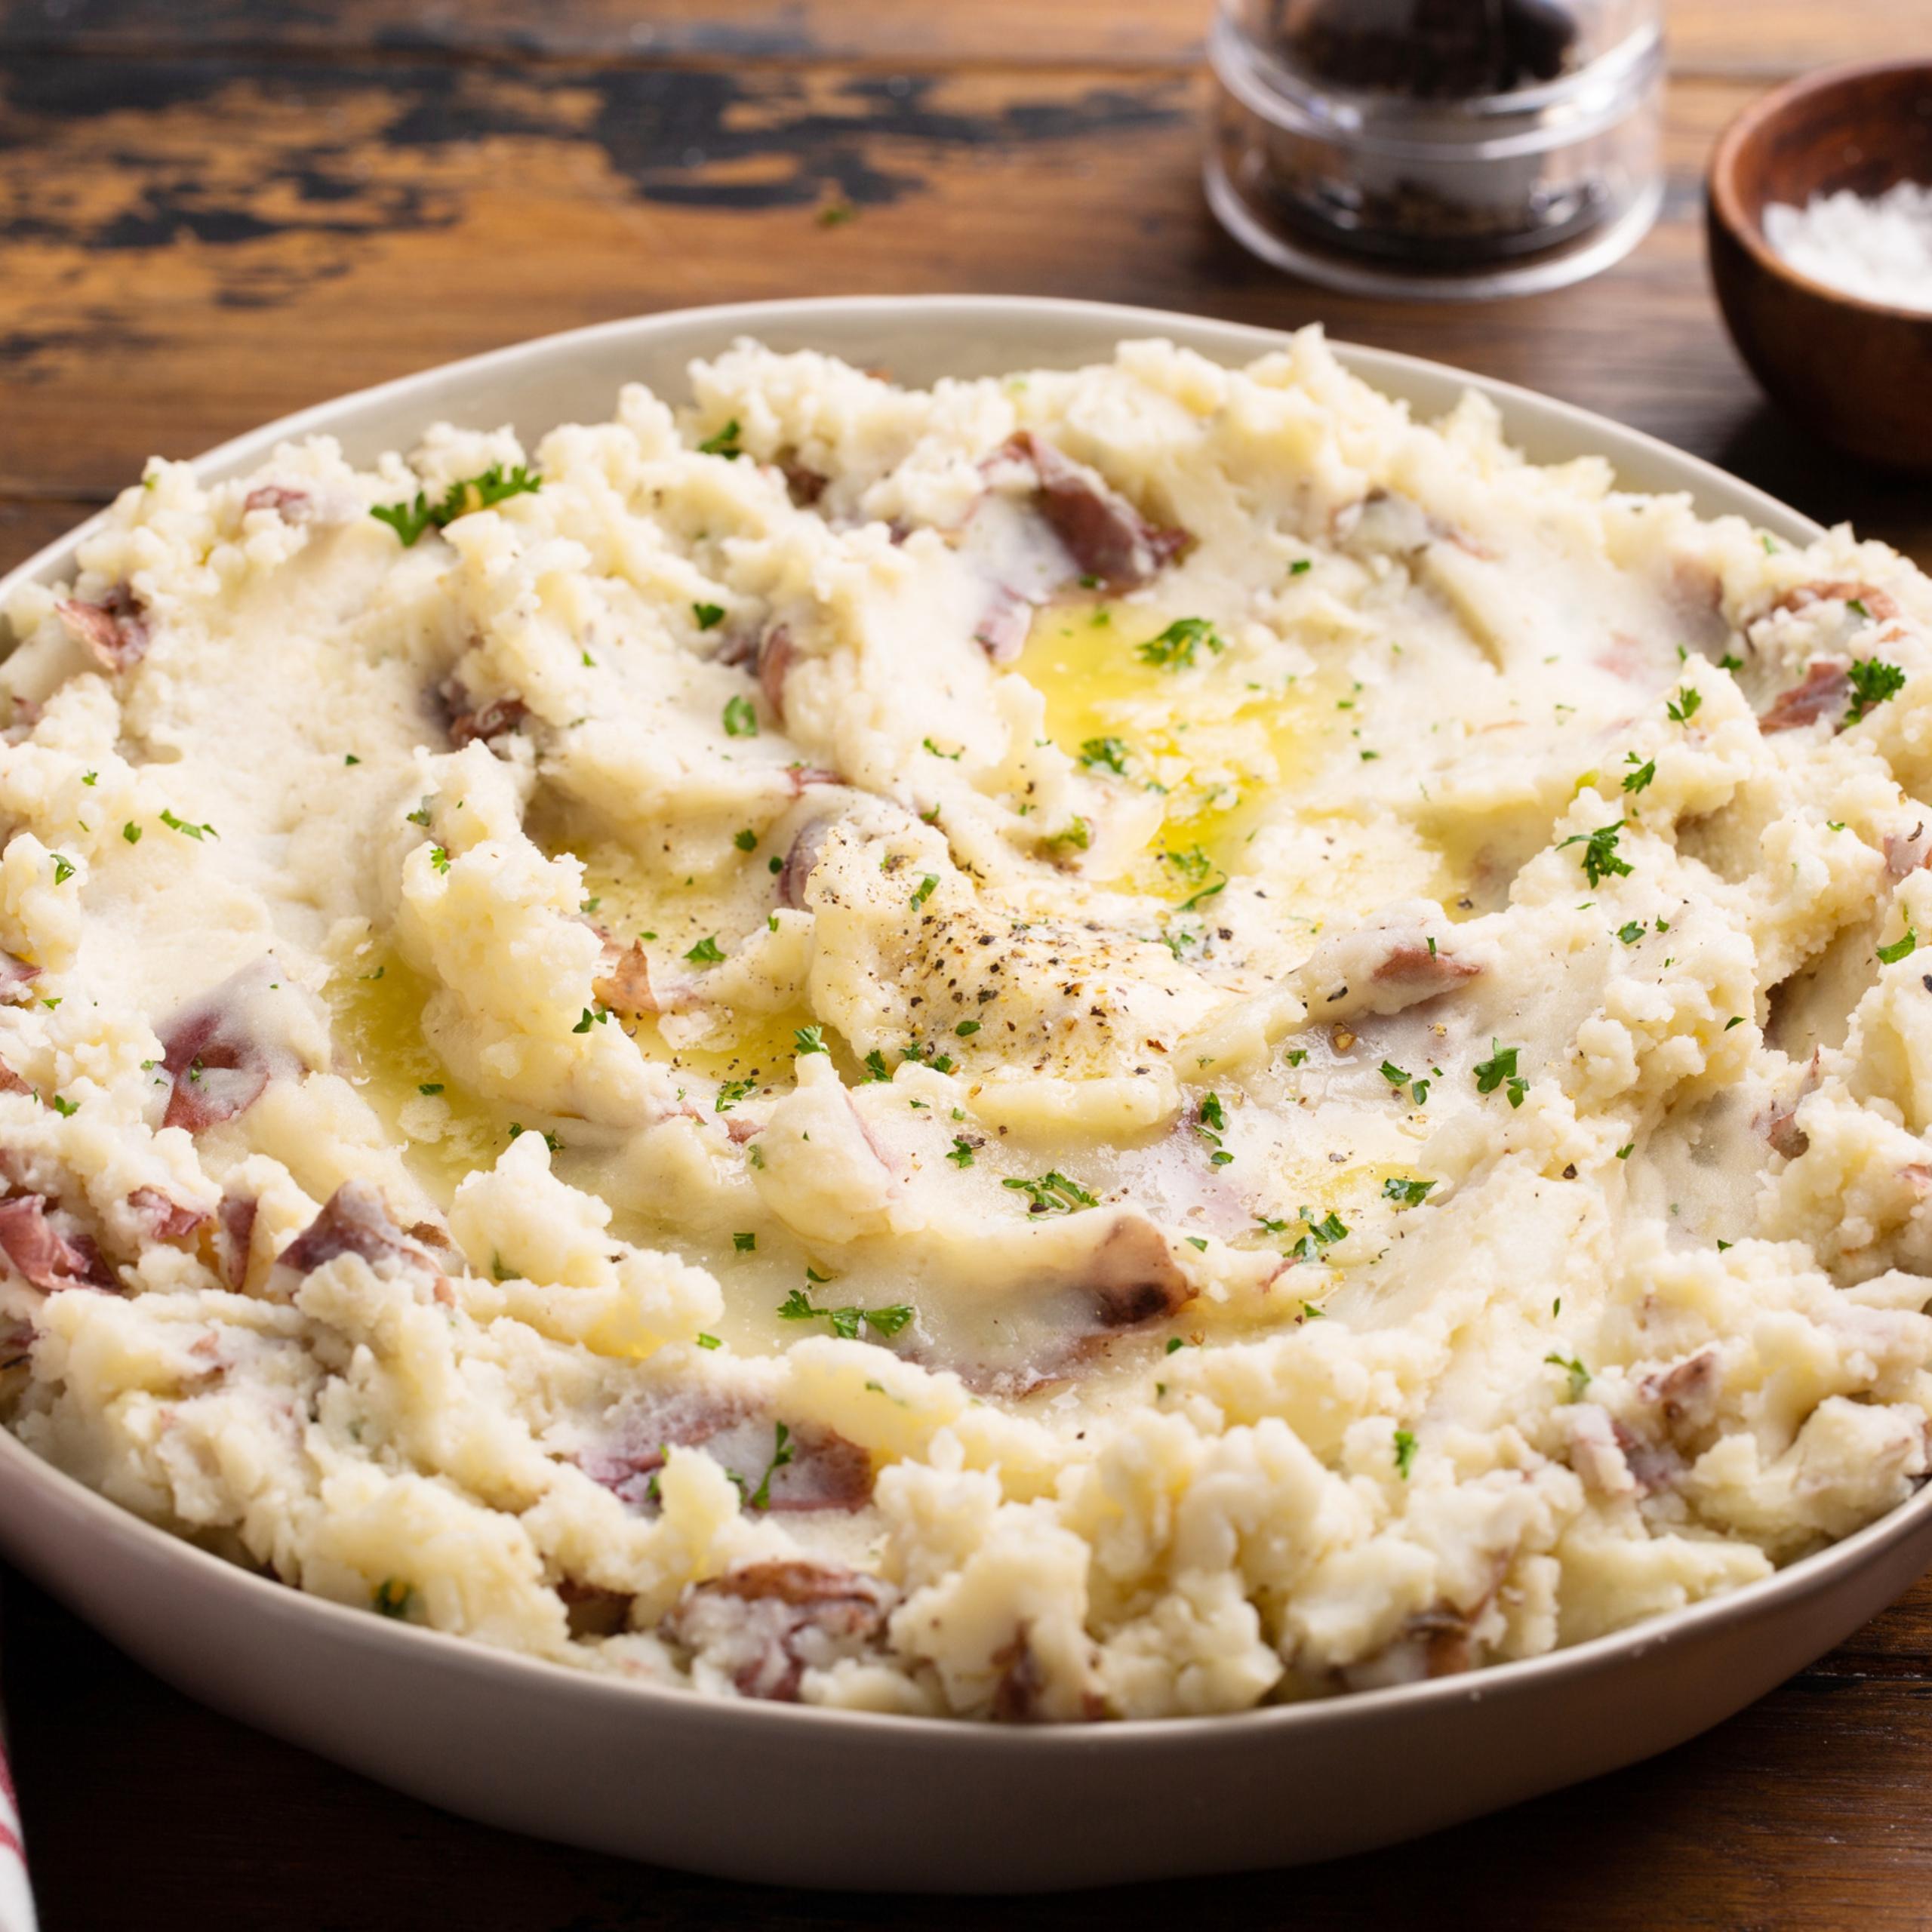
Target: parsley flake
<point>1872,682</point>
<point>409,520</point>
<point>1177,645</point>
<point>1599,856</point>
<point>740,719</point>
<point>1052,1193</point>
<point>706,952</point>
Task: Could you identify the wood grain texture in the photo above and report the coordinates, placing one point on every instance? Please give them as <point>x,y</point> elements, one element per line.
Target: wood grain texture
<point>214,213</point>
<point>1769,37</point>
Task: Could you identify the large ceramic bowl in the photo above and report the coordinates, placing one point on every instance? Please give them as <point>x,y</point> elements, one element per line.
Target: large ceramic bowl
<point>811,1797</point>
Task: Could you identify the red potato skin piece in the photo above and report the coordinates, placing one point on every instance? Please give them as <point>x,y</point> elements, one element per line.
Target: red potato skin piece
<point>200,1043</point>
<point>236,1216</point>
<point>497,719</point>
<point>1132,1278</point>
<point>354,1220</point>
<point>1417,966</point>
<point>826,1471</point>
<point>776,651</point>
<point>46,1258</point>
<point>1106,536</point>
<point>114,630</point>
<point>804,1595</point>
<point>1824,689</point>
<point>624,987</point>
<point>17,978</point>
<point>1002,627</point>
<point>165,1218</point>
<point>291,506</point>
<point>1880,606</point>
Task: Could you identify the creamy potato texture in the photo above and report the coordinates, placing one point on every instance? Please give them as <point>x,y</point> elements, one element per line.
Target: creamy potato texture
<point>1107,1044</point>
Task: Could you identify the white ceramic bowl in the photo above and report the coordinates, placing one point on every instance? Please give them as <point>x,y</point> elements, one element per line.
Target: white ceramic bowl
<point>809,1797</point>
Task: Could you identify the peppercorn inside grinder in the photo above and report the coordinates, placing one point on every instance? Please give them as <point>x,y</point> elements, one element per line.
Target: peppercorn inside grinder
<point>1437,149</point>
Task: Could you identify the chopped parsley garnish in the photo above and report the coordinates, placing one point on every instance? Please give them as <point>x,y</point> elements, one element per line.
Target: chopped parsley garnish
<point>846,1322</point>
<point>392,1597</point>
<point>1406,1193</point>
<point>1683,708</point>
<point>875,1067</point>
<point>1211,1122</point>
<point>740,719</point>
<point>1177,644</point>
<point>420,816</point>
<point>781,1454</point>
<point>592,1016</point>
<point>730,1092</point>
<point>1631,933</point>
<point>430,1088</point>
<point>725,443</point>
<point>1906,943</point>
<point>1405,1453</point>
<point>90,778</point>
<point>64,1108</point>
<point>746,840</point>
<point>409,520</point>
<point>1635,781</point>
<point>1396,1076</point>
<point>709,616</point>
<point>439,858</point>
<point>809,1040</point>
<point>1197,1241</point>
<point>131,833</point>
<point>349,758</point>
<point>1600,860</point>
<point>1872,682</point>
<point>706,952</point>
<point>1194,899</point>
<point>1499,1070</point>
<point>926,887</point>
<point>961,1155</point>
<point>1108,752</point>
<point>1580,1376</point>
<point>1297,1056</point>
<point>1736,1020</point>
<point>1078,834</point>
<point>928,744</point>
<point>1052,1193</point>
<point>1857,603</point>
<point>1629,1148</point>
<point>745,1244</point>
<point>197,833</point>
<point>1301,566</point>
<point>63,869</point>
<point>1269,1226</point>
<point>707,1341</point>
<point>967,1028</point>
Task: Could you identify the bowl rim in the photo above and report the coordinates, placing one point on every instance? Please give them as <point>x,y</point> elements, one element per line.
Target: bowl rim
<point>1727,203</point>
<point>142,1542</point>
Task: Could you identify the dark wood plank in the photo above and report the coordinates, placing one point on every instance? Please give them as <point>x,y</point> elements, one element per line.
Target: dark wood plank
<point>1805,1812</point>
<point>1708,37</point>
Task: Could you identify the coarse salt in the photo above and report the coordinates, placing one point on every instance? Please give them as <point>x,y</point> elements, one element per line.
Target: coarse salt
<point>1879,249</point>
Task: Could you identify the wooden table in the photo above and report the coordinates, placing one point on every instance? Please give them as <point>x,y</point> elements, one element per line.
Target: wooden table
<point>215,212</point>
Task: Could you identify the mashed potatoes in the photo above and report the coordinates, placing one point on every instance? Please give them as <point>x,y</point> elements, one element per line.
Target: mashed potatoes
<point>1103,1044</point>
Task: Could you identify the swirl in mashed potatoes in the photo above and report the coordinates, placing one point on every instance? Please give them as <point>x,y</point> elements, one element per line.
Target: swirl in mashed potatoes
<point>1107,1044</point>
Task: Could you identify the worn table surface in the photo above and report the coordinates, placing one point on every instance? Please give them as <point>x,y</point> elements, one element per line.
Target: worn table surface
<point>214,213</point>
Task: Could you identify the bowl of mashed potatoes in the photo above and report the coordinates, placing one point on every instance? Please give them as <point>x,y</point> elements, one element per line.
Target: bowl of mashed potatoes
<point>921,1044</point>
